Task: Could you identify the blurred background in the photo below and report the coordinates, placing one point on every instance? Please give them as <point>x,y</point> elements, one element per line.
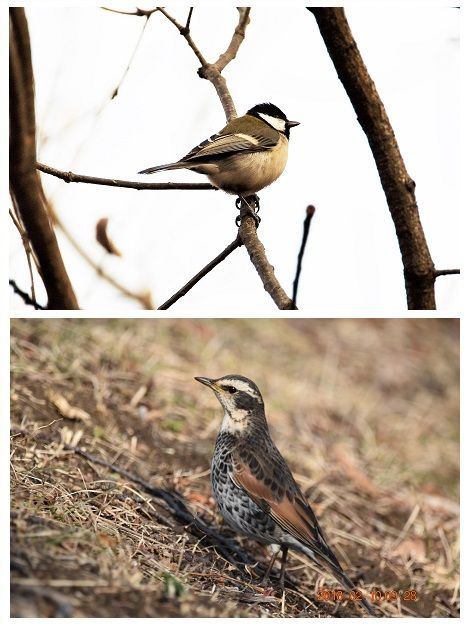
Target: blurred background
<point>365,411</point>
<point>162,109</point>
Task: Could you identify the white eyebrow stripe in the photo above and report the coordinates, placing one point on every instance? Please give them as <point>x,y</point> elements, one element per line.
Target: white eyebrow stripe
<point>243,387</point>
<point>277,123</point>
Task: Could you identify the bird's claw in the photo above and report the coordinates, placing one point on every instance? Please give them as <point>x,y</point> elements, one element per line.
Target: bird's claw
<point>250,205</point>
<point>250,213</point>
<point>251,199</point>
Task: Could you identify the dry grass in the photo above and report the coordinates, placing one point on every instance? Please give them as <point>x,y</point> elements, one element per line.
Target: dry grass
<point>365,411</point>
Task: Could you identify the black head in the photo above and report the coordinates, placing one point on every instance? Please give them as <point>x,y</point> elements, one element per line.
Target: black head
<point>273,116</point>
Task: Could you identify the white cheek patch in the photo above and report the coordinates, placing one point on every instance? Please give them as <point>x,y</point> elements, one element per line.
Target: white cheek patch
<point>277,123</point>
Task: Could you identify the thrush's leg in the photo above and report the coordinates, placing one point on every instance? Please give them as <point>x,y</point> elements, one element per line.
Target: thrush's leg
<point>270,566</point>
<point>283,566</point>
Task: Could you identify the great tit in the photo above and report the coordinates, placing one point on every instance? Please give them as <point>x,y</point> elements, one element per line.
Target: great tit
<point>248,154</point>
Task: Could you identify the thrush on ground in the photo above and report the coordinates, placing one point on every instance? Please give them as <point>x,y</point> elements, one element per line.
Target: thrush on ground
<point>253,486</point>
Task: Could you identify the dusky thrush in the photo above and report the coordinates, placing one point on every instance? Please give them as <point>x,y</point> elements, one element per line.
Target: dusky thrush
<point>255,489</point>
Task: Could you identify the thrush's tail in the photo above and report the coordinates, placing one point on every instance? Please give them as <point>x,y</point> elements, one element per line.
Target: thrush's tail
<point>336,570</point>
<point>163,167</point>
<point>348,584</point>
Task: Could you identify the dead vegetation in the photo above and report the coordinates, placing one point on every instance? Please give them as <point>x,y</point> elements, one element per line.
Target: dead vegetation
<point>365,411</point>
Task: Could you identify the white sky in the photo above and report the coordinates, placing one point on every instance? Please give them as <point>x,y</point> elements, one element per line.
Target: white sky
<point>352,263</point>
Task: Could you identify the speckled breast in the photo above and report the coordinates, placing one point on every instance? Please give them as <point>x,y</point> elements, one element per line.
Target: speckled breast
<point>238,510</point>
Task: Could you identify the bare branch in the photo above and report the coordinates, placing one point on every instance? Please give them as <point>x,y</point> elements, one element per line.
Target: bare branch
<point>212,71</point>
<point>203,272</point>
<point>249,237</point>
<point>219,82</point>
<point>305,234</point>
<point>25,183</point>
<point>419,271</point>
<point>69,177</point>
<point>236,41</point>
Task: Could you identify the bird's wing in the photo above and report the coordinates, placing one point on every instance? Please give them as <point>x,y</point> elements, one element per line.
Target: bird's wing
<point>223,145</point>
<point>269,482</point>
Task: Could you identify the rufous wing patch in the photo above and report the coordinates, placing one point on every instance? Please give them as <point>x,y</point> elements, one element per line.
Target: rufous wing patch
<point>289,511</point>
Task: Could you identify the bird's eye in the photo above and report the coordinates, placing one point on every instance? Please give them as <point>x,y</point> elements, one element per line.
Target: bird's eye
<point>230,389</point>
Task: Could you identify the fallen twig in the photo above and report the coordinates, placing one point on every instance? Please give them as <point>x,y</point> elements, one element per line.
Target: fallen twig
<point>228,548</point>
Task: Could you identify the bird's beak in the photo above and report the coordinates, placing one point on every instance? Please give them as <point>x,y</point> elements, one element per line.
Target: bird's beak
<point>205,381</point>
<point>292,123</point>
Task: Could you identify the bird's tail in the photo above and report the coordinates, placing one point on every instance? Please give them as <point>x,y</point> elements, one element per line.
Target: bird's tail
<point>336,570</point>
<point>348,584</point>
<point>163,167</point>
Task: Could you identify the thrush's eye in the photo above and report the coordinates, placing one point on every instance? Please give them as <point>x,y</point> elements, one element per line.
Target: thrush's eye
<point>230,389</point>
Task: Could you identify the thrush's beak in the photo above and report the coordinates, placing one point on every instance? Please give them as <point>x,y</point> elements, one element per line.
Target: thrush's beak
<point>292,123</point>
<point>205,381</point>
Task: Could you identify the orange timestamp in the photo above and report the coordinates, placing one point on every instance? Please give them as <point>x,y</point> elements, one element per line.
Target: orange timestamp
<point>376,595</point>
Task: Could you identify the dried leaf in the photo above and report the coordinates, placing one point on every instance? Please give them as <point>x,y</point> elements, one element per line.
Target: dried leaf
<point>67,410</point>
<point>103,238</point>
<point>138,395</point>
<point>411,548</point>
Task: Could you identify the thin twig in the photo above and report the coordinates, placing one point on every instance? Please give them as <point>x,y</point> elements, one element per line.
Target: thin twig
<point>25,297</point>
<point>26,244</point>
<point>137,12</point>
<point>307,221</point>
<point>186,34</point>
<point>133,55</point>
<point>446,272</point>
<point>70,177</point>
<point>189,17</point>
<point>203,272</point>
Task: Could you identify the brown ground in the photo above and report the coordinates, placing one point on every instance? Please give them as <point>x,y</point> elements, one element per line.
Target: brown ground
<point>365,411</point>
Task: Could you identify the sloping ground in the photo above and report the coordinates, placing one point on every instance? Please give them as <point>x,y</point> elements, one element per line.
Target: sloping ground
<point>365,411</point>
